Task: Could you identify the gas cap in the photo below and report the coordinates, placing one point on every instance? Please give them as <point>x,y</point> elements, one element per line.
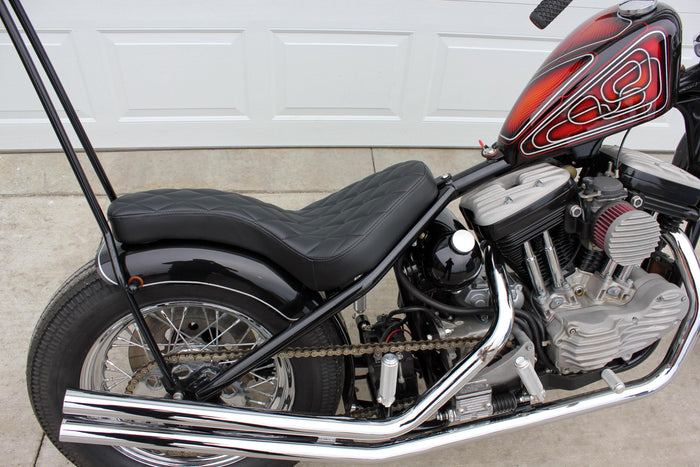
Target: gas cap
<point>636,8</point>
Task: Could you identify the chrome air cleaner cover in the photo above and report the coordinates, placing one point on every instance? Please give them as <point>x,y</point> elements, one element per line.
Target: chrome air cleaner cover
<point>627,235</point>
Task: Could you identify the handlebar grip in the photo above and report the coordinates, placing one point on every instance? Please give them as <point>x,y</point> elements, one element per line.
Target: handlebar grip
<point>546,11</point>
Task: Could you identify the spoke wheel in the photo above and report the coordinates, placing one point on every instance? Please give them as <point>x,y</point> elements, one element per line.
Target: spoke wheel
<point>87,338</point>
<point>186,328</point>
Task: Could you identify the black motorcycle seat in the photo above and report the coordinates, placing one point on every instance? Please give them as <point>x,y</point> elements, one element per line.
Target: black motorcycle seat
<point>325,245</point>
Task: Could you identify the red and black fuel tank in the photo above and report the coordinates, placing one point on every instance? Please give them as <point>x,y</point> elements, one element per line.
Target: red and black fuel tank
<point>613,72</point>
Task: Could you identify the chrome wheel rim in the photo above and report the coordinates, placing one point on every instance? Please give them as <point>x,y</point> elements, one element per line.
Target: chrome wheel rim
<point>183,327</point>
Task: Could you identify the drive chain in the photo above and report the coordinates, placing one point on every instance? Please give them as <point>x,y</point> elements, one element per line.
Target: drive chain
<point>358,350</point>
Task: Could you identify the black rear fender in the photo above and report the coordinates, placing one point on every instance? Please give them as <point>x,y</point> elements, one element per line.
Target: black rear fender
<point>236,271</point>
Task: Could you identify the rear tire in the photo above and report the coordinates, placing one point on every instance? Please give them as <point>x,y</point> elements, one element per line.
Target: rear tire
<point>86,339</point>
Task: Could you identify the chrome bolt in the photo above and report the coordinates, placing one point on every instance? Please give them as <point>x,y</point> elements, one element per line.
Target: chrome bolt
<point>575,211</point>
<point>487,151</point>
<point>637,201</point>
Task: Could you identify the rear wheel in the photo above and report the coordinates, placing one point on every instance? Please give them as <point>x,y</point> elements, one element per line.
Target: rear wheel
<point>87,339</point>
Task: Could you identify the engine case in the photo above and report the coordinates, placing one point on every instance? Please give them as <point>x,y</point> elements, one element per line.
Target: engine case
<point>586,338</point>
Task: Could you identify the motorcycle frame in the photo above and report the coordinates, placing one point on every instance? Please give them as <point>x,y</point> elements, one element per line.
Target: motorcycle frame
<point>450,187</point>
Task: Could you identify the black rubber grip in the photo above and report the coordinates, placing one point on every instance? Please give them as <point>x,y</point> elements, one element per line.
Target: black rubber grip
<point>546,11</point>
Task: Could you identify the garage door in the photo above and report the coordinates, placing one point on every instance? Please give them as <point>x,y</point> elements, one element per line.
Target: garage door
<point>292,73</point>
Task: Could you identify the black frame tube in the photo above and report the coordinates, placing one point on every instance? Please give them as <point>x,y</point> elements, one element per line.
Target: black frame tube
<point>63,97</point>
<point>479,173</point>
<point>78,171</point>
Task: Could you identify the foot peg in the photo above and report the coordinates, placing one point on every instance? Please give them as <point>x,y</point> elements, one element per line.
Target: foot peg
<point>387,380</point>
<point>614,381</point>
<point>530,380</point>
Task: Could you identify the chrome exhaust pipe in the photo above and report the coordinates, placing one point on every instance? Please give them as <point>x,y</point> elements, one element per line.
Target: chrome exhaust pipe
<point>247,433</point>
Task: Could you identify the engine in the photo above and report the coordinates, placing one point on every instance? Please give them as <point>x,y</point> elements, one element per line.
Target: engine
<point>585,248</point>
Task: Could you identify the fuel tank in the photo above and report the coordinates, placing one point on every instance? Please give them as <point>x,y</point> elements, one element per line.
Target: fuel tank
<point>615,71</point>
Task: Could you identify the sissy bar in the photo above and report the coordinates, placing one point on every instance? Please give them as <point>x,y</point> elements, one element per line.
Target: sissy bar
<point>68,149</point>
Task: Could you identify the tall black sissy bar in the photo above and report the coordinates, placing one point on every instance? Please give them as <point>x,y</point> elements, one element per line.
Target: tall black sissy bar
<point>67,146</point>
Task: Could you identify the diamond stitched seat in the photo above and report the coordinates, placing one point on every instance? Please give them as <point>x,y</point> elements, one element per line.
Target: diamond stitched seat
<point>325,245</point>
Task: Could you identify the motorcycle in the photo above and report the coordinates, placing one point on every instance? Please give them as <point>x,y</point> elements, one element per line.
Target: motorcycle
<point>207,329</point>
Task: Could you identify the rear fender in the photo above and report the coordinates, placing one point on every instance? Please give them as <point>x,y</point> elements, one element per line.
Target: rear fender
<point>236,271</point>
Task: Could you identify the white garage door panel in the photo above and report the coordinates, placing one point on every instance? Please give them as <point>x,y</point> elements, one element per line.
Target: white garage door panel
<point>343,75</point>
<point>301,73</point>
<point>18,101</point>
<point>165,75</point>
<point>470,72</point>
